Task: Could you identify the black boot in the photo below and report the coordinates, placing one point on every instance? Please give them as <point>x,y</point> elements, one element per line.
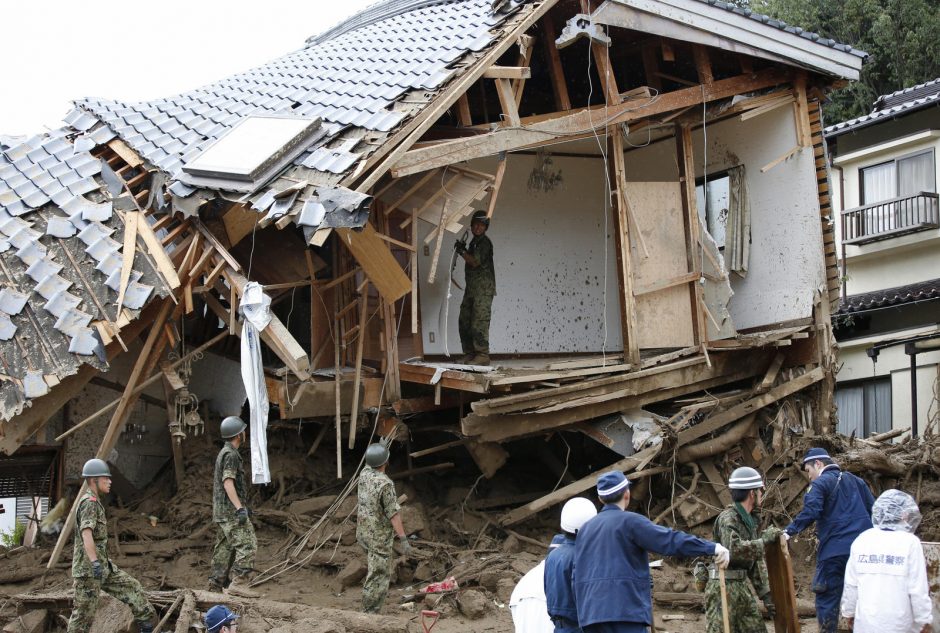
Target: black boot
<point>145,626</point>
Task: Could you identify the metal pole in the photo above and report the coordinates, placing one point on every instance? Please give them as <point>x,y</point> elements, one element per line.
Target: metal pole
<point>911,351</point>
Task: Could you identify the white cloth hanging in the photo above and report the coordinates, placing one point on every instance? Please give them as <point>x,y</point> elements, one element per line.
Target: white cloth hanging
<point>255,307</point>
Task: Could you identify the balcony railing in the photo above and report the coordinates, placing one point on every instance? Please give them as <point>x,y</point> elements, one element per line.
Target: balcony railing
<point>890,218</point>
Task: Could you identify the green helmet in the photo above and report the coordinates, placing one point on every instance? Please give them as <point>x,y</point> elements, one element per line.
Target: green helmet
<point>231,426</point>
<point>96,468</point>
<point>480,216</point>
<point>376,455</point>
<point>745,478</point>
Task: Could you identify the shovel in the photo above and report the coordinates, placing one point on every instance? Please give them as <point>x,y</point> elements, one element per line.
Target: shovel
<point>724,600</point>
<point>434,615</point>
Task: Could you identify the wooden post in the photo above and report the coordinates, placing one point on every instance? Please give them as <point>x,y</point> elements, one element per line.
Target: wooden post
<point>393,381</point>
<point>628,317</point>
<point>555,71</point>
<point>690,222</point>
<point>146,361</point>
<point>336,394</point>
<point>357,381</point>
<point>414,271</point>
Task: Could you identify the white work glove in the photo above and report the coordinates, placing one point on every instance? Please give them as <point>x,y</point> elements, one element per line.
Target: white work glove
<point>786,537</point>
<point>722,556</point>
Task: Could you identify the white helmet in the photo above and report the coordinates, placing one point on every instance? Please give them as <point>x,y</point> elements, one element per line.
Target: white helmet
<point>576,513</point>
<point>745,478</point>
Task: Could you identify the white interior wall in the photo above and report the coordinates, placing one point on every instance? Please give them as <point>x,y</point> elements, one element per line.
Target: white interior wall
<point>786,262</point>
<point>549,252</point>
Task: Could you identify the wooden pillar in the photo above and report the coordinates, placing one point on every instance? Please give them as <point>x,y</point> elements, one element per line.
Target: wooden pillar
<point>691,228</point>
<point>555,70</point>
<point>628,318</point>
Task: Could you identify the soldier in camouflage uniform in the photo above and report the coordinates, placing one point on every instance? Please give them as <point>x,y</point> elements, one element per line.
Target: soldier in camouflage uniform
<point>235,542</point>
<point>92,570</point>
<point>480,276</point>
<point>378,521</point>
<point>737,529</point>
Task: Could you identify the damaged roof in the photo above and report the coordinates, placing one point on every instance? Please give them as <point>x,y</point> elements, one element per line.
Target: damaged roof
<point>61,257</point>
<point>892,105</point>
<point>351,78</point>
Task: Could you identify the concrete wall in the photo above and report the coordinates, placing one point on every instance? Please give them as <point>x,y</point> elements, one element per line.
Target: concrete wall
<point>895,363</point>
<point>786,260</point>
<point>549,251</point>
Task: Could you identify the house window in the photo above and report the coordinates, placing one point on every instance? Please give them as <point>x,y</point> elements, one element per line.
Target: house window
<point>899,178</point>
<point>864,407</point>
<point>713,200</point>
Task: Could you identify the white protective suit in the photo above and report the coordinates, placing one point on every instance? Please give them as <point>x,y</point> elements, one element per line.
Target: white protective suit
<point>886,576</point>
<point>527,603</point>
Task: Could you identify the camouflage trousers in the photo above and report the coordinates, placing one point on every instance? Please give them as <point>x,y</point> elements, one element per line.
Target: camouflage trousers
<point>234,551</point>
<point>743,614</point>
<point>118,584</point>
<point>474,323</point>
<point>378,577</point>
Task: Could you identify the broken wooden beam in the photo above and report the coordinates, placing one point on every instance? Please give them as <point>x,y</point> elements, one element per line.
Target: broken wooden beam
<point>633,462</point>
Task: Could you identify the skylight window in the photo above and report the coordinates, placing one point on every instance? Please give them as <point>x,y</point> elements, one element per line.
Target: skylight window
<point>248,154</point>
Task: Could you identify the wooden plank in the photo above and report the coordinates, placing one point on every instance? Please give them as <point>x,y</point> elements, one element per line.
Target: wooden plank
<point>684,152</point>
<point>127,255</point>
<point>737,412</point>
<point>146,360</point>
<point>414,272</point>
<point>780,159</point>
<point>507,72</point>
<point>555,70</point>
<point>801,111</point>
<point>160,258</point>
<point>579,123</point>
<point>218,246</point>
<point>377,262</point>
<point>497,183</point>
<point>128,155</point>
<point>634,462</point>
<point>772,371</point>
<point>463,111</point>
<point>782,587</point>
<point>440,240</point>
<point>507,102</point>
<point>717,482</point>
<point>357,380</point>
<point>667,283</point>
<point>703,65</point>
<point>628,313</point>
<point>526,46</point>
<point>337,377</point>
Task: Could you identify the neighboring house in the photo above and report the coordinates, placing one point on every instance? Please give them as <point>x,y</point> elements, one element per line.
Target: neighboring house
<point>884,177</point>
<point>656,177</point>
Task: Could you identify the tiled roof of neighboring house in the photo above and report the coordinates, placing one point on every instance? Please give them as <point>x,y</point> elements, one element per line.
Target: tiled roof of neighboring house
<point>890,297</point>
<point>902,102</point>
<point>60,259</point>
<point>789,28</point>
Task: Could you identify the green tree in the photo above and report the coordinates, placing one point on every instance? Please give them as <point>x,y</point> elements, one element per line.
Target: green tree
<point>901,37</point>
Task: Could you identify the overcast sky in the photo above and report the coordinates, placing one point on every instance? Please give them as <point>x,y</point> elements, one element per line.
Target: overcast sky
<point>53,51</point>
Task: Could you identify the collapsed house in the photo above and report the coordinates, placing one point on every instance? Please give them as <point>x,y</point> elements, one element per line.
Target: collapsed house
<point>665,258</point>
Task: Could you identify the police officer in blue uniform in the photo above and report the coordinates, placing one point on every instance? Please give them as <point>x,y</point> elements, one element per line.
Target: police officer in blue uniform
<point>840,504</point>
<point>611,561</point>
<point>559,566</point>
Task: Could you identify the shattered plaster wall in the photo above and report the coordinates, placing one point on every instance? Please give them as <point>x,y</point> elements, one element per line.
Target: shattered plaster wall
<point>549,255</point>
<point>786,262</point>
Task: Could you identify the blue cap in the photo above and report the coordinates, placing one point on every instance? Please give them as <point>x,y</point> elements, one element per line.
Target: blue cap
<point>218,616</point>
<point>611,483</point>
<point>815,453</point>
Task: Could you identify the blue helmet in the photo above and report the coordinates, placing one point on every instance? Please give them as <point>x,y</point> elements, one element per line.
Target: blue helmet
<point>219,616</point>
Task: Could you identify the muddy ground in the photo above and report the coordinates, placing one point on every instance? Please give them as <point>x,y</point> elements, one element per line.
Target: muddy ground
<point>307,545</point>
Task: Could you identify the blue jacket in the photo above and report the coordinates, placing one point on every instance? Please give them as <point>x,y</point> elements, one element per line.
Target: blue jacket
<point>840,504</point>
<point>611,564</point>
<point>559,596</point>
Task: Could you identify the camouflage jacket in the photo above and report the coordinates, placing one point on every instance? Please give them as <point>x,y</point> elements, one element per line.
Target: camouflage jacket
<point>90,515</point>
<point>228,465</point>
<point>378,503</point>
<point>745,545</point>
<point>482,279</point>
